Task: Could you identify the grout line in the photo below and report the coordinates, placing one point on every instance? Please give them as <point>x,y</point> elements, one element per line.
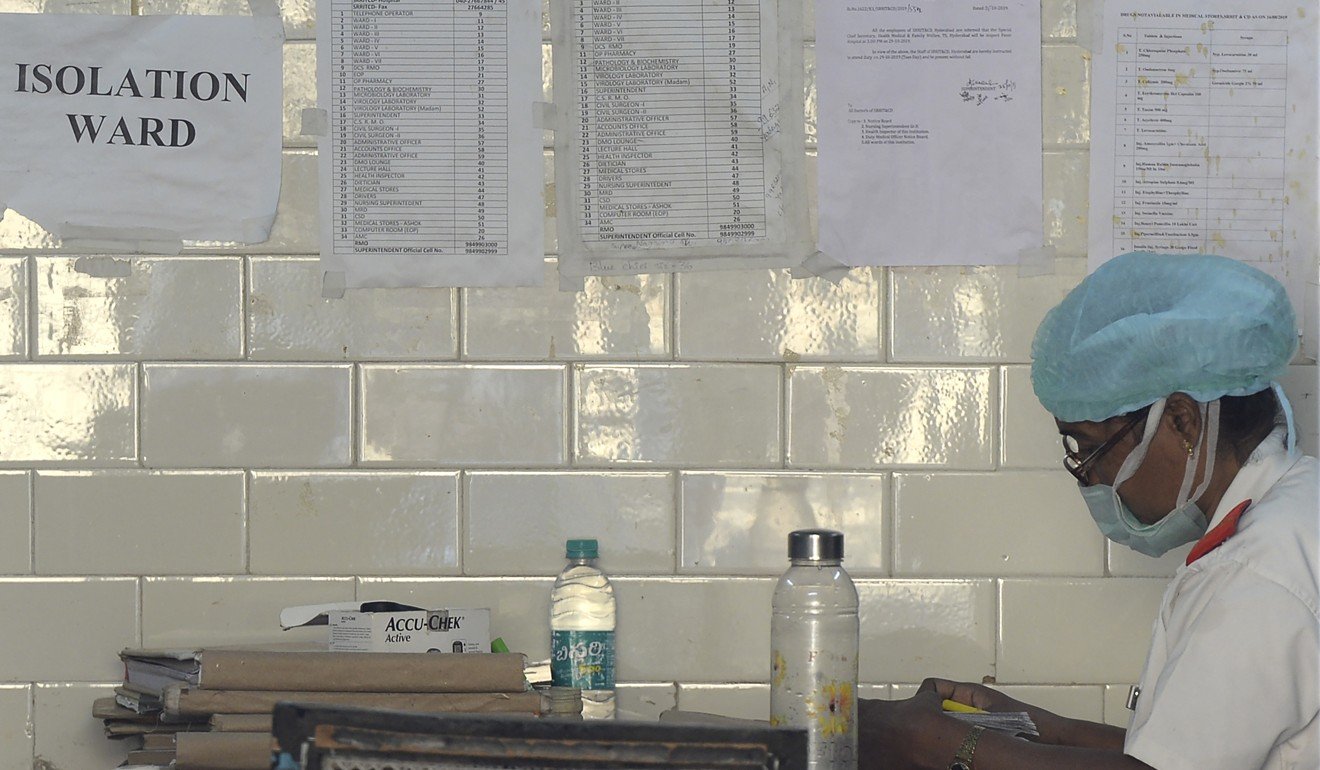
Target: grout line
<point>32,521</point>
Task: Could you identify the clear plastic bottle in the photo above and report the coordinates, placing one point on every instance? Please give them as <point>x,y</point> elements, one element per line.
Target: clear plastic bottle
<point>582,630</point>
<point>813,643</point>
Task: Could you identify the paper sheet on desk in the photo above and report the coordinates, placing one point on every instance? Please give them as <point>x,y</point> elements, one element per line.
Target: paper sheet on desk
<point>929,131</point>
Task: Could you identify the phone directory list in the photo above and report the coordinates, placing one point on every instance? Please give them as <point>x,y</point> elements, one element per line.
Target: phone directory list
<point>676,149</point>
<point>430,165</point>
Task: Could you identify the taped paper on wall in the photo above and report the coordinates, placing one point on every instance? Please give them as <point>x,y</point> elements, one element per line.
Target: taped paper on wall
<point>431,169</point>
<point>162,124</point>
<point>682,146</point>
<point>929,131</point>
<point>1203,136</point>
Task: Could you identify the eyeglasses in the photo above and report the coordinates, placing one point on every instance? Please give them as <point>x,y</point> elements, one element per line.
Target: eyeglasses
<point>1080,467</point>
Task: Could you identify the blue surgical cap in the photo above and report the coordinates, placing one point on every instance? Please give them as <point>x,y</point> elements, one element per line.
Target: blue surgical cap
<point>1144,326</point>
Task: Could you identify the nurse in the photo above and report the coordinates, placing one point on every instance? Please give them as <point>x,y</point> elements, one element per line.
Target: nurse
<point>1162,376</point>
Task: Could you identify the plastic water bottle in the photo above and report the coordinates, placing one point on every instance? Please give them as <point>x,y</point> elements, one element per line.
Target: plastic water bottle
<point>813,649</point>
<point>582,630</point>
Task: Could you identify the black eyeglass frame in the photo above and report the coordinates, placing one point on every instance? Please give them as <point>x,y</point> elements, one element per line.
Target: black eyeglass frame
<point>1081,468</point>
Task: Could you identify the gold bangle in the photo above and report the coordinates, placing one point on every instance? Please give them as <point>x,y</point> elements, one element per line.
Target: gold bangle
<point>962,760</point>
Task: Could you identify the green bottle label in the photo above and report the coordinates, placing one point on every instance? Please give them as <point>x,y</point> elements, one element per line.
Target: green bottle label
<point>582,659</point>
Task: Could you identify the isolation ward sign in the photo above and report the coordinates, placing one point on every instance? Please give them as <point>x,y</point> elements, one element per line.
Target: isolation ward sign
<point>142,128</point>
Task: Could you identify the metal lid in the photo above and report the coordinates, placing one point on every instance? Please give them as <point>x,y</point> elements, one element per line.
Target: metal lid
<point>815,544</point>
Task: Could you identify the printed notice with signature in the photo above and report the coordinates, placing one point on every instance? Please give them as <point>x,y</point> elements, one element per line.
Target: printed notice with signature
<point>929,131</point>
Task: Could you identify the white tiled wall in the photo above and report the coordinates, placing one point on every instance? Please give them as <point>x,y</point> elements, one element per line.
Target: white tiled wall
<point>186,449</point>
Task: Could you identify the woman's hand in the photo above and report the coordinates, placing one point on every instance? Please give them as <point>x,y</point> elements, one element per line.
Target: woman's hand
<point>1053,728</point>
<point>975,695</point>
<point>898,734</point>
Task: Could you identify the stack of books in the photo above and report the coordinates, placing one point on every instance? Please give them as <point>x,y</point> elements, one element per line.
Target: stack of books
<point>210,709</point>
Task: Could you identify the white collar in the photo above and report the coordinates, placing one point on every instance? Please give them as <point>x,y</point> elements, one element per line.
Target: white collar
<point>1266,465</point>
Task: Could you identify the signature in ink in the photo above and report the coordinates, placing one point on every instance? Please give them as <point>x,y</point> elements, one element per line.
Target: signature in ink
<point>979,91</point>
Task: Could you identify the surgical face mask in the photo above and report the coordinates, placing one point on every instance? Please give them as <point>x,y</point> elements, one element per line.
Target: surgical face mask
<point>1185,523</point>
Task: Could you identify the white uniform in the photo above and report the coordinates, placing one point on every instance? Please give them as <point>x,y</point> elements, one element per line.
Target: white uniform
<point>1232,676</point>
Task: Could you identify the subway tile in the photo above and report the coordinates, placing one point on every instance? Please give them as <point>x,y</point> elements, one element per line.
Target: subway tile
<point>496,415</point>
<point>13,307</point>
<point>1066,197</point>
<point>299,15</point>
<point>289,320</point>
<point>379,523</point>
<point>912,629</point>
<point>644,702</point>
<point>1066,95</point>
<point>18,233</point>
<point>612,317</point>
<point>740,701</point>
<point>863,417</point>
<point>1301,383</point>
<point>1116,710</point>
<point>163,308</point>
<point>66,6</point>
<point>65,734</point>
<point>993,524</point>
<point>1030,438</point>
<point>299,91</point>
<point>962,314</point>
<point>16,727</point>
<point>517,522</point>
<point>694,629</point>
<point>765,315</point>
<point>739,522</point>
<point>138,523</point>
<point>15,524</point>
<point>810,103</point>
<point>296,213</point>
<point>246,416</point>
<point>519,607</point>
<point>1075,631</point>
<point>52,623</point>
<point>1075,702</point>
<point>67,413</point>
<point>179,611</point>
<point>1122,561</point>
<point>1058,19</point>
<point>706,415</point>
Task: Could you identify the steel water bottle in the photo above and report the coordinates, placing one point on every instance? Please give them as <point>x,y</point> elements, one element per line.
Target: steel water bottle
<point>813,642</point>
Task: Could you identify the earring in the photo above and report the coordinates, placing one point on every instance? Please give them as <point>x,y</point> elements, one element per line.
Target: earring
<point>1188,445</point>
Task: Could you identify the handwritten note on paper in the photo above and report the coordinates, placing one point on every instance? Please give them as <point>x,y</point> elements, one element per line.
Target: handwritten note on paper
<point>1203,135</point>
<point>929,131</point>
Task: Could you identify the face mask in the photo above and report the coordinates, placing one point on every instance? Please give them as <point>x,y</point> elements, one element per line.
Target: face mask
<point>1185,523</point>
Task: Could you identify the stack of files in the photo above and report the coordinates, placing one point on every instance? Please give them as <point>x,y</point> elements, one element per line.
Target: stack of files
<point>216,702</point>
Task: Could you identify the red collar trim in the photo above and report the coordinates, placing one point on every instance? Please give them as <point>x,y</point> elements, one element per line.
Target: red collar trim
<point>1222,531</point>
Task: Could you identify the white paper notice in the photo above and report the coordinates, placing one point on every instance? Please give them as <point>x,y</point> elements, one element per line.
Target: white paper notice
<point>431,171</point>
<point>1203,135</point>
<point>680,144</point>
<point>142,128</point>
<point>929,131</point>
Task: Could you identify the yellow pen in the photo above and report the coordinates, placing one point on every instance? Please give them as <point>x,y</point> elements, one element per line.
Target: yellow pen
<point>953,705</point>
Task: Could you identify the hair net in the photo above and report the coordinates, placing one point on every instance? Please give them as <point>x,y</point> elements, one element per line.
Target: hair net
<point>1143,326</point>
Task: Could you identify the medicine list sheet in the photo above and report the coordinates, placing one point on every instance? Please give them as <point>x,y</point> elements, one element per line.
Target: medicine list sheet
<point>929,131</point>
<point>1203,135</point>
<point>431,165</point>
<point>680,140</point>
